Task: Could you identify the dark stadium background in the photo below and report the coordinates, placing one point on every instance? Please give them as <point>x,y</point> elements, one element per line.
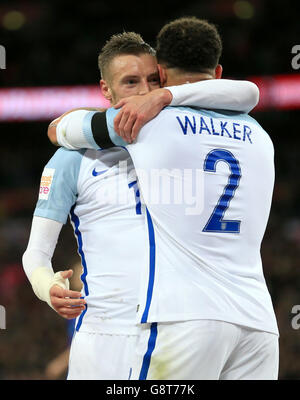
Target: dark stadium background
<point>52,43</point>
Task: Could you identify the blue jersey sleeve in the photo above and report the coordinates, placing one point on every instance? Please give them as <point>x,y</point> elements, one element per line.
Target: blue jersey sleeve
<point>117,140</point>
<point>58,188</point>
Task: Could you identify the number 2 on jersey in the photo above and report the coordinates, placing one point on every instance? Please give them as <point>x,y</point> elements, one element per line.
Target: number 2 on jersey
<point>216,223</point>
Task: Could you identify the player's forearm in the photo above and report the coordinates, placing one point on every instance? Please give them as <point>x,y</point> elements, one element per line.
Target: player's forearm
<point>37,257</point>
<point>223,94</point>
<point>80,129</point>
<point>52,128</point>
<point>41,245</point>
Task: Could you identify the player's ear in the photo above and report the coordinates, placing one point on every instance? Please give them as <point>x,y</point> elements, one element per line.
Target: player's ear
<point>162,75</point>
<point>218,71</point>
<point>105,90</point>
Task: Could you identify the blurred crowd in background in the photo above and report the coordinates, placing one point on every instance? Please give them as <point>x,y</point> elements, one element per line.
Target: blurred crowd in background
<point>57,43</point>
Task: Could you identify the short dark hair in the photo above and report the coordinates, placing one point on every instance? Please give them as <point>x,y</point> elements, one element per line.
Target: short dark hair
<point>190,44</point>
<point>122,44</point>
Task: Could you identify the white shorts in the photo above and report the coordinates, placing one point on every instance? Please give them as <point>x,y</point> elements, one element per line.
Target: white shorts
<point>98,356</point>
<point>204,350</point>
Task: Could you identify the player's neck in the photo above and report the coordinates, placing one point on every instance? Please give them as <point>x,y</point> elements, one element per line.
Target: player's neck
<point>176,77</point>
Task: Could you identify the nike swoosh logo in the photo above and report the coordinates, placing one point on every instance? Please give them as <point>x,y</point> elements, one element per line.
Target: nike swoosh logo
<point>96,173</point>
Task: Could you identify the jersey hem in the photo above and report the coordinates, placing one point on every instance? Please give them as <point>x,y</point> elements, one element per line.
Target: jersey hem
<point>110,328</point>
<point>180,318</point>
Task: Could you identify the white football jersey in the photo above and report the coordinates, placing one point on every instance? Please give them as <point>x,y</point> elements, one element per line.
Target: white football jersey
<point>99,191</point>
<point>207,180</point>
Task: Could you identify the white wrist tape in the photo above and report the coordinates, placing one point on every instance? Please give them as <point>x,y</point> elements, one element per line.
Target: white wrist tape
<point>42,279</point>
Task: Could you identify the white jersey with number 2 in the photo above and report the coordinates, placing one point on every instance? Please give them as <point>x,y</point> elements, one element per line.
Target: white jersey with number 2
<point>207,180</point>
